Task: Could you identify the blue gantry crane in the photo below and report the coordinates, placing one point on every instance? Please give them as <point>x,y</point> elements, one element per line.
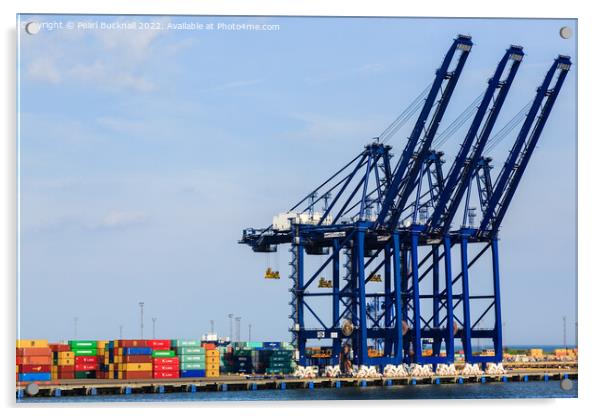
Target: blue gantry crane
<point>377,234</point>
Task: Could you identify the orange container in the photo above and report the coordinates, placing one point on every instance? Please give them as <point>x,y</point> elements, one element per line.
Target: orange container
<point>43,360</point>
<point>27,352</point>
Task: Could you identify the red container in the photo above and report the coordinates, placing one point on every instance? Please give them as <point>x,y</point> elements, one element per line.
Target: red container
<point>66,368</point>
<point>128,343</point>
<point>59,347</point>
<point>166,374</point>
<point>159,344</point>
<point>37,352</point>
<point>86,360</point>
<point>86,367</point>
<point>208,346</point>
<point>65,375</point>
<point>137,375</point>
<point>137,359</point>
<point>166,361</point>
<point>163,367</point>
<point>34,368</point>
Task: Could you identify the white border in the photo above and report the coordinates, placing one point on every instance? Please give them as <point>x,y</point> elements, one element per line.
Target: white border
<point>589,185</point>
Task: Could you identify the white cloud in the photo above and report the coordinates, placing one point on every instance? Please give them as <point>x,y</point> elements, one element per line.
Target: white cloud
<point>122,219</point>
<point>44,69</point>
<point>108,59</point>
<point>100,74</point>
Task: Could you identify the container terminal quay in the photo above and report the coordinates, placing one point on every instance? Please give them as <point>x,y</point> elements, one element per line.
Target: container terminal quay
<point>384,287</point>
<point>91,368</point>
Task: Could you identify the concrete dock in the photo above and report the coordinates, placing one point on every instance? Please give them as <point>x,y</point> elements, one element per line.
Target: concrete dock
<point>93,387</point>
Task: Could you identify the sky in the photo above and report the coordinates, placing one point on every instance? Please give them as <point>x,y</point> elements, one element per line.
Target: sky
<point>145,151</point>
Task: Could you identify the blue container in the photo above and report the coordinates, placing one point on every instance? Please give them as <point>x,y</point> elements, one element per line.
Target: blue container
<point>192,373</point>
<point>272,345</point>
<point>137,351</point>
<point>34,377</point>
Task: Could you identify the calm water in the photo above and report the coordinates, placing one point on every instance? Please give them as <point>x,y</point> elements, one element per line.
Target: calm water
<point>513,390</point>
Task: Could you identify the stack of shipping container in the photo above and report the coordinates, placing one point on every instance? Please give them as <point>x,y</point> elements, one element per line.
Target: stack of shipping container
<point>63,362</point>
<point>134,360</point>
<point>165,362</point>
<point>34,360</point>
<point>212,364</point>
<point>86,358</point>
<point>145,359</point>
<point>191,356</point>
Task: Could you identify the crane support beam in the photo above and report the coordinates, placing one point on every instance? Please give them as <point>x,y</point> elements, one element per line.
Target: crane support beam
<point>464,165</point>
<point>523,148</point>
<point>391,206</point>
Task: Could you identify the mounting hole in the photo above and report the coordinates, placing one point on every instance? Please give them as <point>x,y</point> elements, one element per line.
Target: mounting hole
<point>565,32</point>
<point>566,384</point>
<point>33,28</point>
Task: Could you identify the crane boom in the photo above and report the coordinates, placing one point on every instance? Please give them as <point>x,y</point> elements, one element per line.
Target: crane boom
<point>521,152</point>
<point>464,165</point>
<point>390,206</point>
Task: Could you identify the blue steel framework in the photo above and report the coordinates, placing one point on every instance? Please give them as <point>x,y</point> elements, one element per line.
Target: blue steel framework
<point>378,220</point>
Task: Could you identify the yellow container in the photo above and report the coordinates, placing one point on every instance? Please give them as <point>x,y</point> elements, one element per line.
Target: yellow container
<point>117,359</point>
<point>212,353</point>
<point>212,367</point>
<point>101,345</point>
<point>66,361</point>
<point>32,343</point>
<point>66,354</point>
<point>211,360</point>
<point>212,373</point>
<point>136,367</point>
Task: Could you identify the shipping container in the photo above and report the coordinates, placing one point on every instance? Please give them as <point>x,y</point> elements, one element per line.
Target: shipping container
<point>32,343</point>
<point>35,376</point>
<point>185,343</point>
<point>34,352</point>
<point>166,374</point>
<point>163,353</point>
<point>79,352</point>
<point>159,344</point>
<point>167,361</point>
<point>192,373</point>
<point>78,344</point>
<point>33,368</point>
<point>137,351</point>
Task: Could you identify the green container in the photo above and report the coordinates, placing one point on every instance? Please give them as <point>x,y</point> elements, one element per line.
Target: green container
<point>192,359</point>
<point>88,352</point>
<point>85,374</point>
<point>270,370</point>
<point>244,352</point>
<point>281,365</point>
<point>185,343</point>
<point>281,354</point>
<point>280,360</point>
<point>163,353</point>
<point>191,351</point>
<point>82,344</point>
<point>254,345</point>
<point>192,366</point>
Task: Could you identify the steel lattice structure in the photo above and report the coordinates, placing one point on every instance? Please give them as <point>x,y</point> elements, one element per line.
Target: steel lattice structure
<point>398,271</point>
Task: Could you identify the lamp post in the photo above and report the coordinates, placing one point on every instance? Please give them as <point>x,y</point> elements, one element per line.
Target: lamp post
<point>141,304</point>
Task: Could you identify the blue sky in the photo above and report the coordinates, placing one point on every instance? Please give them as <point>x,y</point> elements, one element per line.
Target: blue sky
<point>143,154</point>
